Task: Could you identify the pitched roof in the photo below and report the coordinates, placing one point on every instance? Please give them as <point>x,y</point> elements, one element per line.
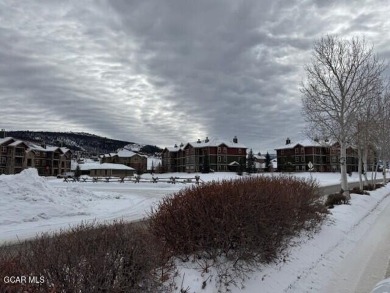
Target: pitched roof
<point>104,166</point>
<point>17,142</point>
<point>5,139</point>
<point>123,153</point>
<point>215,142</point>
<point>173,149</point>
<point>304,143</point>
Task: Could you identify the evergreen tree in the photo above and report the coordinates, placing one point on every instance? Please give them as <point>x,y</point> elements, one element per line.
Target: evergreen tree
<point>206,164</point>
<point>251,167</point>
<point>77,172</point>
<point>267,162</point>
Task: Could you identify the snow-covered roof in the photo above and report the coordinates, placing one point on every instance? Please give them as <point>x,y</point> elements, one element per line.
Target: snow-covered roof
<point>305,143</point>
<point>123,153</point>
<point>259,157</point>
<point>173,149</point>
<point>16,143</point>
<point>215,142</point>
<point>104,166</point>
<point>64,150</point>
<point>5,139</point>
<point>39,148</point>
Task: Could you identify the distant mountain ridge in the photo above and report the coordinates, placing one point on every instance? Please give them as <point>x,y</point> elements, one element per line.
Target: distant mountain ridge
<point>80,141</point>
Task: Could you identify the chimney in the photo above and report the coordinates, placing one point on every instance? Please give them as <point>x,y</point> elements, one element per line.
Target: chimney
<point>175,146</point>
<point>235,140</point>
<point>2,133</point>
<point>198,141</point>
<point>207,139</point>
<point>181,145</point>
<point>288,141</point>
<point>316,139</point>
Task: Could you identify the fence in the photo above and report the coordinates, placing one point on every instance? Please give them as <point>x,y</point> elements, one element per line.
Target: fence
<point>137,179</point>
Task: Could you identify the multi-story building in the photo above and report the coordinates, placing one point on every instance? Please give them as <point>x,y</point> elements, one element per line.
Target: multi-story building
<point>215,154</point>
<point>12,155</point>
<point>17,155</point>
<point>49,161</point>
<point>324,156</point>
<point>131,159</point>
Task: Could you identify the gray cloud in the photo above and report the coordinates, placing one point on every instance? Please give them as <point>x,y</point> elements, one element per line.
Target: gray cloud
<point>162,72</point>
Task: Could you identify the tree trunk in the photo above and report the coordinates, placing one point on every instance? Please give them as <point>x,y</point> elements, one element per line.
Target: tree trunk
<point>360,168</point>
<point>365,164</point>
<point>343,169</point>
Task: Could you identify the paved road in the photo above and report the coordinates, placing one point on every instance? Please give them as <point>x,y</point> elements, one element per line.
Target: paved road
<point>367,263</point>
<point>336,188</point>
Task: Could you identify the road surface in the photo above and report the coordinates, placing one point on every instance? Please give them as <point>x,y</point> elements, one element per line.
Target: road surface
<point>368,262</point>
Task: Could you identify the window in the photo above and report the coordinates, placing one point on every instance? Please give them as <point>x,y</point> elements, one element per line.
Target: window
<point>303,168</point>
<point>282,152</point>
<point>296,159</point>
<point>334,159</point>
<point>4,149</point>
<point>302,150</point>
<point>219,158</point>
<point>296,168</point>
<point>239,151</point>
<point>302,159</point>
<point>3,161</point>
<point>296,150</point>
<point>224,150</point>
<point>219,149</point>
<point>224,159</point>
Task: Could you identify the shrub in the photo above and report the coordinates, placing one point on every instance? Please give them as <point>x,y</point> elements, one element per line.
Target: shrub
<point>369,187</point>
<point>358,191</point>
<point>336,199</point>
<point>249,220</point>
<point>88,258</point>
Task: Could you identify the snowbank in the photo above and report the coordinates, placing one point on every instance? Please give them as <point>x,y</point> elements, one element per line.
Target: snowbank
<point>27,197</point>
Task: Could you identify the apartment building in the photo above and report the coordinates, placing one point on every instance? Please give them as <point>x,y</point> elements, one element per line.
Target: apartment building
<point>323,155</point>
<point>209,154</point>
<point>17,155</point>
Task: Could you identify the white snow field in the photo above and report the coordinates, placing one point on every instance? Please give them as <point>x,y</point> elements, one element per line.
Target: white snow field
<point>349,254</point>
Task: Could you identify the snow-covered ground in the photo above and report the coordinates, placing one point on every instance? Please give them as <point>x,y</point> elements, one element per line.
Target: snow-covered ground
<point>330,262</point>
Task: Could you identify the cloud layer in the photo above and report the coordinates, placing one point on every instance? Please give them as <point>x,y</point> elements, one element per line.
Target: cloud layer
<point>165,72</point>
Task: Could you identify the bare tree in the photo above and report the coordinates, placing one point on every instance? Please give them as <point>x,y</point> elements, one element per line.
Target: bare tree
<point>340,77</point>
<point>382,132</point>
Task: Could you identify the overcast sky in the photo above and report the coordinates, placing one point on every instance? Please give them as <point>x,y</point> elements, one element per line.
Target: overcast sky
<point>169,71</point>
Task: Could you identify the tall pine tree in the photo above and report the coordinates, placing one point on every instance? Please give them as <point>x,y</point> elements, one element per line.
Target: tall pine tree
<point>267,162</point>
<point>251,167</point>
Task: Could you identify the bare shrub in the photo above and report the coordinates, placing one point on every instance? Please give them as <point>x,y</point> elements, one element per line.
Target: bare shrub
<point>90,258</point>
<point>357,190</point>
<point>246,221</point>
<point>336,199</point>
